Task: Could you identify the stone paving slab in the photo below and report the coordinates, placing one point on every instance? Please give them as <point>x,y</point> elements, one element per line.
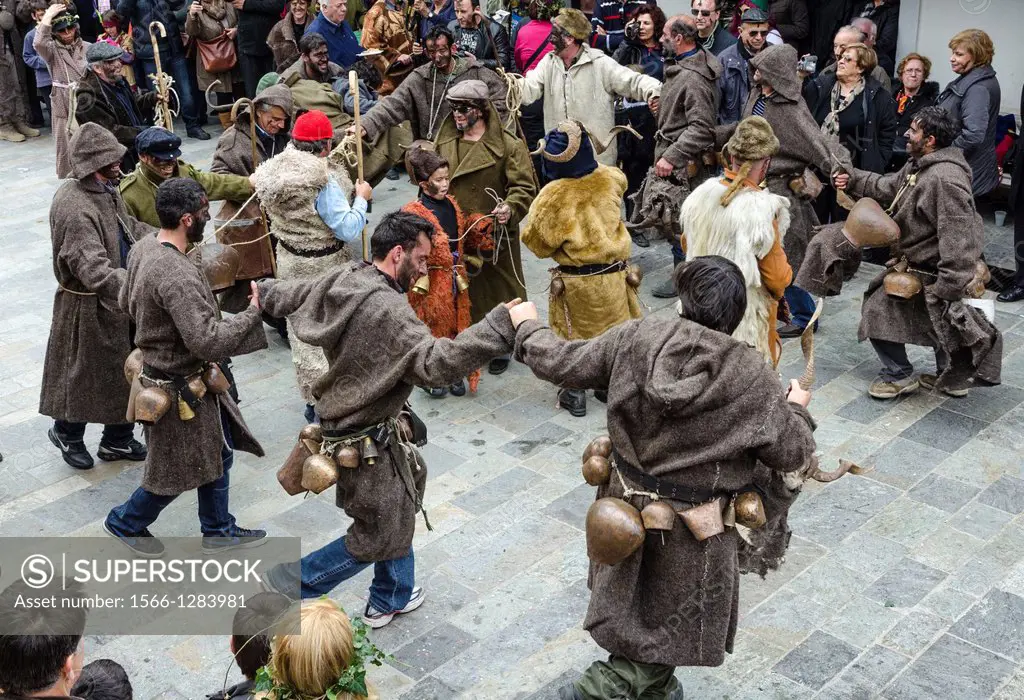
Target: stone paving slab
<point>905,583</point>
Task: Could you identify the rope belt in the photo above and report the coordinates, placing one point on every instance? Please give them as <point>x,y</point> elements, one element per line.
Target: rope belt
<point>593,269</point>
<point>72,291</point>
<point>324,252</point>
<point>664,489</point>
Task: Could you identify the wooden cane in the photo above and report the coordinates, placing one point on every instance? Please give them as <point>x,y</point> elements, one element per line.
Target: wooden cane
<point>353,89</point>
<point>255,157</point>
<point>161,84</point>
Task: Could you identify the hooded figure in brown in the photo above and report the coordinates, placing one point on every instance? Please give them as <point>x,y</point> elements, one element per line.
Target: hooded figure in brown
<point>442,300</point>
<point>576,220</point>
<point>695,417</point>
<point>58,41</point>
<point>489,163</point>
<point>378,351</point>
<point>92,233</point>
<point>234,156</point>
<point>937,256</point>
<point>14,107</point>
<point>182,339</point>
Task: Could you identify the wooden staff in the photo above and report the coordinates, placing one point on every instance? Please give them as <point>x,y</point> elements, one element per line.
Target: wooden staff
<point>255,157</point>
<point>162,89</point>
<point>353,89</point>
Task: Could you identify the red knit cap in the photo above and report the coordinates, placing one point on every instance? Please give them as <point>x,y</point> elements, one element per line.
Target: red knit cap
<point>312,126</point>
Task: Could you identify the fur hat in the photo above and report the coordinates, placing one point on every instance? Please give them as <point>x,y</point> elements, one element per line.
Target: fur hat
<point>574,23</point>
<point>753,140</point>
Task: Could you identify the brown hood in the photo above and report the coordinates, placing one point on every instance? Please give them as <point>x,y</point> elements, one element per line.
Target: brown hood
<point>702,63</point>
<point>279,95</point>
<point>93,147</point>
<point>778,66</point>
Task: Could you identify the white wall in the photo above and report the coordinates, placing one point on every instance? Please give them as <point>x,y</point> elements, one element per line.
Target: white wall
<point>926,26</point>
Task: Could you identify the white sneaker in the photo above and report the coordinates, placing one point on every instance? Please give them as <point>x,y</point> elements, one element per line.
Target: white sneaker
<point>377,619</point>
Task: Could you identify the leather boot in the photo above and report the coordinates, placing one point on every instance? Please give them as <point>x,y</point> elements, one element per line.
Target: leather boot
<point>25,130</point>
<point>9,133</point>
<point>225,119</point>
<point>574,401</point>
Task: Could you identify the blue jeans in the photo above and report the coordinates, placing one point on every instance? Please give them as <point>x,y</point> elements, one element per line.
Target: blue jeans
<point>677,251</point>
<point>177,68</point>
<point>801,306</point>
<point>143,508</point>
<point>328,566</point>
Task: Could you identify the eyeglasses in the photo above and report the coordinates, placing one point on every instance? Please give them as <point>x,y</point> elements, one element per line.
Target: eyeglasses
<point>701,13</point>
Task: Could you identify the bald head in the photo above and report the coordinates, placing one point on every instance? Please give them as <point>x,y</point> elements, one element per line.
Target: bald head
<point>680,35</point>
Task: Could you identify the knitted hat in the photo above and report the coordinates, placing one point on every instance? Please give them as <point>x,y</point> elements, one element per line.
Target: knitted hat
<point>574,23</point>
<point>266,81</point>
<point>753,140</point>
<point>102,51</point>
<point>313,126</point>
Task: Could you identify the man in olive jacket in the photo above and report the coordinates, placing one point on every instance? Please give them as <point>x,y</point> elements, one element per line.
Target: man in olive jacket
<point>159,160</point>
<point>91,232</point>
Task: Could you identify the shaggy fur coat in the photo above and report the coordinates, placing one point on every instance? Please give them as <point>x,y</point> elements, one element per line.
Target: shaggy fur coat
<point>749,232</point>
<point>578,221</point>
<point>288,185</point>
<point>445,309</point>
<point>694,407</point>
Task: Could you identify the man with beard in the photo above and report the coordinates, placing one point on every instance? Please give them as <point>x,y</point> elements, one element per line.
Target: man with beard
<point>480,36</point>
<point>579,82</point>
<point>803,150</point>
<point>421,98</point>
<point>91,232</point>
<point>103,96</point>
<point>314,62</point>
<point>181,336</point>
<point>485,157</point>
<point>686,124</point>
<point>735,81</point>
<point>378,351</point>
<point>939,249</point>
<point>159,160</point>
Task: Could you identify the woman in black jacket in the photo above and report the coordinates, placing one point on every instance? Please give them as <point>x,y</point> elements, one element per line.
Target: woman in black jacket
<point>1015,292</point>
<point>853,106</point>
<point>914,94</point>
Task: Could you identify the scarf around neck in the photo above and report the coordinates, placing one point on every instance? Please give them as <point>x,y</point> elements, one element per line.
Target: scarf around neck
<point>837,103</point>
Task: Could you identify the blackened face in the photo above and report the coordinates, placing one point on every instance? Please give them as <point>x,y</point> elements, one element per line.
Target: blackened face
<point>465,116</point>
<point>557,39</point>
<point>440,53</point>
<point>112,173</point>
<point>413,264</point>
<point>316,61</point>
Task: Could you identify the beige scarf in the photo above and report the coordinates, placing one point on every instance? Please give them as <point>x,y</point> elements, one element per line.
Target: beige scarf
<point>837,103</point>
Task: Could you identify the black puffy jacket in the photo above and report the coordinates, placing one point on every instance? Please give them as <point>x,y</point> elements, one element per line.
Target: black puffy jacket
<point>255,20</point>
<point>141,12</point>
<point>871,147</point>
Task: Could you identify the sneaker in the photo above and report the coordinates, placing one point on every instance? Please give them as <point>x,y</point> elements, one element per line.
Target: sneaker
<point>133,451</point>
<point>498,365</point>
<point>573,401</point>
<point>141,543</point>
<point>790,330</point>
<point>197,132</point>
<point>458,388</point>
<point>73,452</point>
<point>240,538</point>
<point>928,382</point>
<point>377,619</point>
<point>436,392</point>
<point>665,290</point>
<point>882,389</point>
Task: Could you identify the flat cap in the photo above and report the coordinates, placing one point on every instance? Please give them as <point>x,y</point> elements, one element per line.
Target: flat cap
<point>159,143</point>
<point>102,51</point>
<point>754,15</point>
<point>475,90</point>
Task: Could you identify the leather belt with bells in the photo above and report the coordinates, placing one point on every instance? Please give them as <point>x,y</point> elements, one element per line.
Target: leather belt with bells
<point>665,489</point>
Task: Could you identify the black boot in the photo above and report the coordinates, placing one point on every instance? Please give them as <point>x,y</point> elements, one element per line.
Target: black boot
<point>574,401</point>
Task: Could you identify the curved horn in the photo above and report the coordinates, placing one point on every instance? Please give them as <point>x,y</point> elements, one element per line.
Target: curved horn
<point>574,131</point>
<point>210,104</point>
<point>806,381</point>
<point>600,148</point>
<point>540,148</point>
<point>845,466</point>
<point>243,101</point>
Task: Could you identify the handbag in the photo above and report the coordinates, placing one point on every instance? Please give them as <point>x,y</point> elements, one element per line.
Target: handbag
<point>218,55</point>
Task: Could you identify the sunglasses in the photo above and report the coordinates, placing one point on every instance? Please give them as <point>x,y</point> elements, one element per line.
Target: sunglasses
<point>461,109</point>
<point>701,13</point>
<point>759,32</point>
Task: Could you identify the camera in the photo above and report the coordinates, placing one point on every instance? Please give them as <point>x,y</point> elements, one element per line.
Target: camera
<point>632,30</point>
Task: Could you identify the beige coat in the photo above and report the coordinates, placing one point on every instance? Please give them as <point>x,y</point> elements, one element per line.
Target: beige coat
<point>217,17</point>
<point>587,92</point>
<point>67,66</point>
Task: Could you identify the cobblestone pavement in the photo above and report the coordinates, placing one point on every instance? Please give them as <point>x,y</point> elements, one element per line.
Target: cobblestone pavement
<point>906,583</point>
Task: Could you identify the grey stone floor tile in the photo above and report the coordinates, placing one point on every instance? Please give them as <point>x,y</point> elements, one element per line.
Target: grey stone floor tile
<point>1006,494</point>
<point>862,621</point>
<point>785,618</point>
<point>828,582</point>
<point>946,549</point>
<point>496,491</point>
<point>903,463</point>
<point>981,462</point>
<point>1013,689</point>
<point>869,553</point>
<point>905,584</point>
<point>914,632</point>
<point>951,668</point>
<point>989,403</point>
<point>907,522</point>
<point>984,522</point>
<point>571,508</point>
<point>550,691</point>
<point>866,676</point>
<point>866,410</point>
<point>944,430</point>
<point>833,514</point>
<point>996,623</point>
<point>948,603</point>
<point>535,440</point>
<point>429,688</point>
<point>439,460</point>
<point>945,494</point>
<point>815,662</point>
<point>425,653</point>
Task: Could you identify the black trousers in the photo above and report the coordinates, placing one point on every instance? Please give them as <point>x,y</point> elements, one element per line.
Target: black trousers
<point>117,434</point>
<point>1018,232</point>
<point>254,68</point>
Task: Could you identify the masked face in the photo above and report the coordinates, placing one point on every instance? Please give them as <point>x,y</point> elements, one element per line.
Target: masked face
<point>112,173</point>
<point>67,36</point>
<point>194,233</point>
<point>465,116</point>
<point>437,185</point>
<point>557,39</point>
<point>108,71</point>
<point>440,54</point>
<point>316,61</point>
<point>162,168</point>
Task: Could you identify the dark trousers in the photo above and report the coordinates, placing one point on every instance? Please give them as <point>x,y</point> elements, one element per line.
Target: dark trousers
<point>143,508</point>
<point>1018,233</point>
<point>895,365</point>
<point>44,95</point>
<point>116,434</point>
<point>254,68</point>
<point>177,68</point>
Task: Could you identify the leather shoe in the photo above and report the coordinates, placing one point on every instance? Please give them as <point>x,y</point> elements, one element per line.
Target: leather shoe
<point>1014,293</point>
<point>458,388</point>
<point>574,401</point>
<point>640,239</point>
<point>74,453</point>
<point>665,290</point>
<point>498,365</point>
<point>197,132</point>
